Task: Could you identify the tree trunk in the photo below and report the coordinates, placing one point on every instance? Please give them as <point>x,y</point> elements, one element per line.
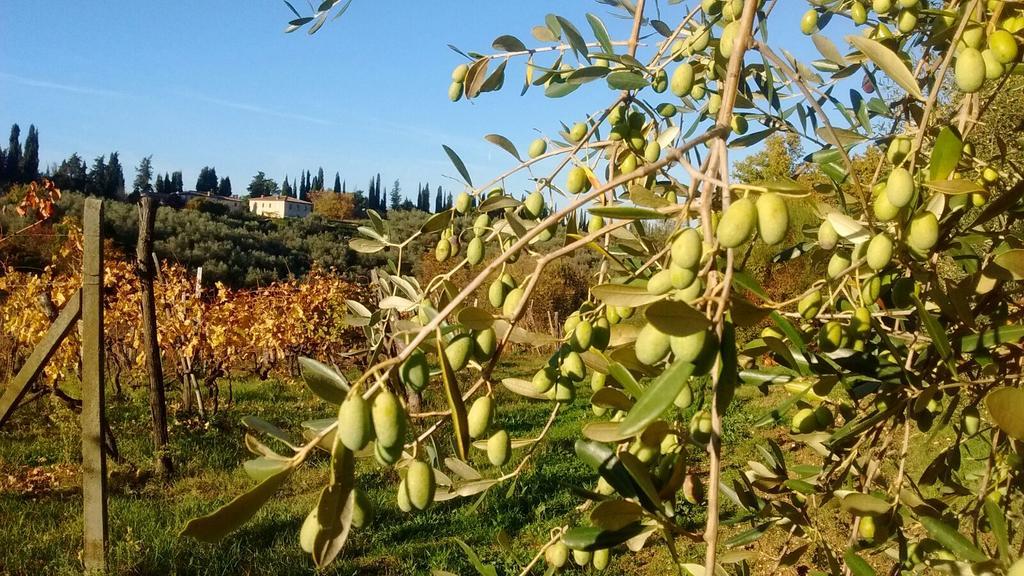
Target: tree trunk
<point>157,402</point>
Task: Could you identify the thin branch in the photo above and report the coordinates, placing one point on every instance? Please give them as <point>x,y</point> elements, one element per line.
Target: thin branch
<point>729,92</point>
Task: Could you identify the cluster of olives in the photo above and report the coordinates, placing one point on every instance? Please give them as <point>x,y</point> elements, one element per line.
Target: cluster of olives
<point>457,88</point>
<point>768,215</point>
<point>382,421</point>
<point>690,79</point>
<point>557,557</point>
<point>979,56</point>
<point>448,245</point>
<point>460,349</point>
<point>629,127</point>
<point>898,208</point>
<point>584,329</point>
<point>480,419</point>
<point>415,373</point>
<point>807,420</point>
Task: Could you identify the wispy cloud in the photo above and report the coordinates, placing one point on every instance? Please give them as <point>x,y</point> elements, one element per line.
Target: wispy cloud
<point>58,86</point>
<point>256,109</point>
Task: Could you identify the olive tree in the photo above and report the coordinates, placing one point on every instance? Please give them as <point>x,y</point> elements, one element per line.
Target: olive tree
<point>910,337</point>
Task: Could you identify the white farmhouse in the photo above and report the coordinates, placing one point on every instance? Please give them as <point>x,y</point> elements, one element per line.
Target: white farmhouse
<point>280,207</point>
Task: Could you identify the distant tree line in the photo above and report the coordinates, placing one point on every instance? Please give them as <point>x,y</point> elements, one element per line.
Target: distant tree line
<point>19,163</point>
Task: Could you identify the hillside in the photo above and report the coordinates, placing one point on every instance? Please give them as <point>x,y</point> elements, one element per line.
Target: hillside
<point>237,249</point>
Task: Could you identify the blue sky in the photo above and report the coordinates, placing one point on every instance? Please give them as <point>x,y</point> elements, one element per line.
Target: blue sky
<point>199,83</point>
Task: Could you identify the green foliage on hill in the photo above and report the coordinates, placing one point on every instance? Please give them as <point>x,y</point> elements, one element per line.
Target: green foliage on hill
<point>239,250</point>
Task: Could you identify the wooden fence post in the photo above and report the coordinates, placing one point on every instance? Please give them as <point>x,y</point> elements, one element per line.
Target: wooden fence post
<point>151,345</point>
<point>94,463</point>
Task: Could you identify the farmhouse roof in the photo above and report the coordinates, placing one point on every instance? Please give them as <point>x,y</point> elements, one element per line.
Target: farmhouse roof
<point>281,198</point>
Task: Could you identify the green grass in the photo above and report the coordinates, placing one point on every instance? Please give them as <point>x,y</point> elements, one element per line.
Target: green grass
<point>41,527</point>
<point>41,530</point>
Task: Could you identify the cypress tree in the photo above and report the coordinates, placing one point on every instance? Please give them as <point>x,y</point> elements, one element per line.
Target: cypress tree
<point>115,177</point>
<point>337,183</point>
<point>382,200</point>
<point>12,169</point>
<point>396,195</point>
<point>207,181</point>
<point>97,179</point>
<point>144,177</point>
<point>30,162</point>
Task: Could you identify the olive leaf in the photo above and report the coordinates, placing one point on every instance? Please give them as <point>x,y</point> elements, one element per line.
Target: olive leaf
<point>646,493</point>
<point>460,423</point>
<point>600,32</point>
<point>616,514</point>
<point>474,559</point>
<point>543,34</point>
<point>1006,406</point>
<point>324,381</point>
<point>259,469</point>
<point>786,187</point>
<point>676,318</point>
<point>508,43</point>
<point>602,459</point>
<point>604,432</point>
<point>954,187</point>
<point>609,397</point>
<point>828,49</point>
<point>334,516</point>
<point>1012,261</point>
<point>656,398</point>
<point>476,76</point>
<point>626,80</point>
<point>503,143</point>
<point>437,222</point>
<point>579,46</point>
<point>365,245</point>
<point>860,504</point>
<point>990,338</point>
<point>260,425</point>
<point>591,538</point>
<point>623,295</point>
<point>216,525</point>
<point>475,318</point>
<point>560,89</point>
<point>626,213</point>
<point>459,165</point>
<point>462,469</point>
<point>848,227</point>
<point>952,540</point>
<point>946,153</point>
<point>500,202</point>
<point>623,376</point>
<point>857,565</point>
<point>587,74</point>
<point>889,62</point>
